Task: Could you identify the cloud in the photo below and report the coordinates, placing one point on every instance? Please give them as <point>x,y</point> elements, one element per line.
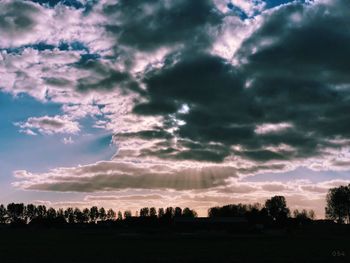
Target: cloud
<point>284,104</point>
<point>196,93</point>
<point>17,20</point>
<point>271,128</point>
<point>67,140</point>
<point>108,176</point>
<point>248,114</point>
<point>49,125</point>
<point>150,25</point>
<point>170,189</point>
<point>123,198</point>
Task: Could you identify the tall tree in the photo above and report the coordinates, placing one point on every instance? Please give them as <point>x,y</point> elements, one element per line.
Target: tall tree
<point>144,212</point>
<point>169,212</point>
<point>153,212</point>
<point>102,214</point>
<point>51,214</point>
<point>189,213</point>
<point>161,212</point>
<point>78,216</point>
<point>86,212</point>
<point>110,214</point>
<point>127,214</point>
<point>178,211</point>
<point>31,212</point>
<point>277,207</point>
<point>120,216</point>
<point>15,212</point>
<point>69,215</point>
<point>41,211</point>
<point>60,216</point>
<point>93,214</point>
<point>338,204</point>
<point>3,214</point>
<point>214,211</point>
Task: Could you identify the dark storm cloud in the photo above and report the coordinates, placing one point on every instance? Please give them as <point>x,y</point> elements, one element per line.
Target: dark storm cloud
<point>16,17</point>
<point>103,77</point>
<point>293,69</point>
<point>147,25</point>
<point>302,74</point>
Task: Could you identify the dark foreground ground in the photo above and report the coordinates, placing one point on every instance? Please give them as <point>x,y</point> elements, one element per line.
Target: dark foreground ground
<point>110,245</point>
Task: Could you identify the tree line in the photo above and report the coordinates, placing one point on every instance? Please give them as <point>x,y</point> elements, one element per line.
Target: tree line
<point>275,210</point>
<point>31,214</point>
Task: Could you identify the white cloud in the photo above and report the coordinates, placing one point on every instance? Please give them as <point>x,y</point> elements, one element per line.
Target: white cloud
<point>113,175</point>
<point>49,125</point>
<point>272,127</point>
<point>55,75</point>
<point>68,140</point>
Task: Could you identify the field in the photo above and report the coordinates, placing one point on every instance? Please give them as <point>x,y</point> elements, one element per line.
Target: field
<point>110,245</point>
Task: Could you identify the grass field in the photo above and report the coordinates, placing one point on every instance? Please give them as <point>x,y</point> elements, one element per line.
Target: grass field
<point>109,245</point>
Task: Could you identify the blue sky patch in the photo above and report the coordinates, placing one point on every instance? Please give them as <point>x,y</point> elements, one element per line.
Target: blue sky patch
<point>52,3</point>
<point>237,11</point>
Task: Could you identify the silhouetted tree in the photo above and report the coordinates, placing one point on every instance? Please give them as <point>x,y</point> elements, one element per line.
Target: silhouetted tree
<point>277,208</point>
<point>161,212</point>
<point>189,213</point>
<point>60,216</point>
<point>312,214</point>
<point>3,214</point>
<point>120,216</point>
<point>304,214</point>
<point>144,212</point>
<point>127,214</point>
<point>31,212</point>
<point>153,212</point>
<point>15,212</point>
<point>178,212</point>
<point>78,216</point>
<point>102,214</point>
<point>41,211</point>
<point>214,211</point>
<point>169,212</point>
<point>110,214</point>
<point>51,214</point>
<point>86,217</point>
<point>93,214</point>
<point>69,215</point>
<point>338,204</point>
<point>232,210</point>
<point>256,214</point>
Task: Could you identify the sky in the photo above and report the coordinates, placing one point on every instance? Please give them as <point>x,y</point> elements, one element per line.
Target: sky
<point>126,104</point>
